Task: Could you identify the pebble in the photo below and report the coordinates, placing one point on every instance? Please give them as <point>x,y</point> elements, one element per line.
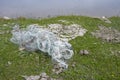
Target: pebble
<point>57,69</point>
<point>42,76</point>
<point>43,79</point>
<point>73,64</point>
<point>84,52</point>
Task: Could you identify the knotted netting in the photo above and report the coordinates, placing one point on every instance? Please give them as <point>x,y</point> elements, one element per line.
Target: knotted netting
<point>35,38</point>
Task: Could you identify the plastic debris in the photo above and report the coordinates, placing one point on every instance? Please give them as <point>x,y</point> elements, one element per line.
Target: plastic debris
<point>35,38</point>
<point>6,18</point>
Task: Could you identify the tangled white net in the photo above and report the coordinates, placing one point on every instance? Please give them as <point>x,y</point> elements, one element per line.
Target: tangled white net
<point>35,38</point>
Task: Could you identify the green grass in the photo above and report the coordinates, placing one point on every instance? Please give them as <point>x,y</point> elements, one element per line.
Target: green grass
<point>100,64</point>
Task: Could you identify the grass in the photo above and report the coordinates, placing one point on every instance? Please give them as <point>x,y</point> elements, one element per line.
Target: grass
<point>100,64</point>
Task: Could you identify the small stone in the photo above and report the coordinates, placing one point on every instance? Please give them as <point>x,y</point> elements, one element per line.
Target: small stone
<point>31,77</point>
<point>2,32</point>
<point>5,25</point>
<point>43,79</point>
<point>9,63</point>
<point>7,31</point>
<point>73,64</point>
<point>119,52</point>
<point>56,66</point>
<point>21,48</point>
<point>84,52</point>
<point>57,69</point>
<point>44,75</point>
<point>64,21</point>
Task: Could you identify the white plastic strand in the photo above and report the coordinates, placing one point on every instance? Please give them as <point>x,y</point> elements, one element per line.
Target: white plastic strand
<point>35,38</point>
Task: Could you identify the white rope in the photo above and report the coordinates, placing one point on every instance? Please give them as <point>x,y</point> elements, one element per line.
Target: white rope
<point>34,38</point>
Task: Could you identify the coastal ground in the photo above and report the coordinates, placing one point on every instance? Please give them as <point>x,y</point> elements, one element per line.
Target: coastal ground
<point>102,62</point>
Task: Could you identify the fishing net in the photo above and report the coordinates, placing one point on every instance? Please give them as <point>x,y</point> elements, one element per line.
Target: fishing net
<point>35,38</point>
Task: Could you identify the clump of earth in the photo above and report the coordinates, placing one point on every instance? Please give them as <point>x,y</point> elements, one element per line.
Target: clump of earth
<point>107,34</point>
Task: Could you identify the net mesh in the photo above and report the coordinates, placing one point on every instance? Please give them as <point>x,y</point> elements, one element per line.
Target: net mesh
<point>35,38</point>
